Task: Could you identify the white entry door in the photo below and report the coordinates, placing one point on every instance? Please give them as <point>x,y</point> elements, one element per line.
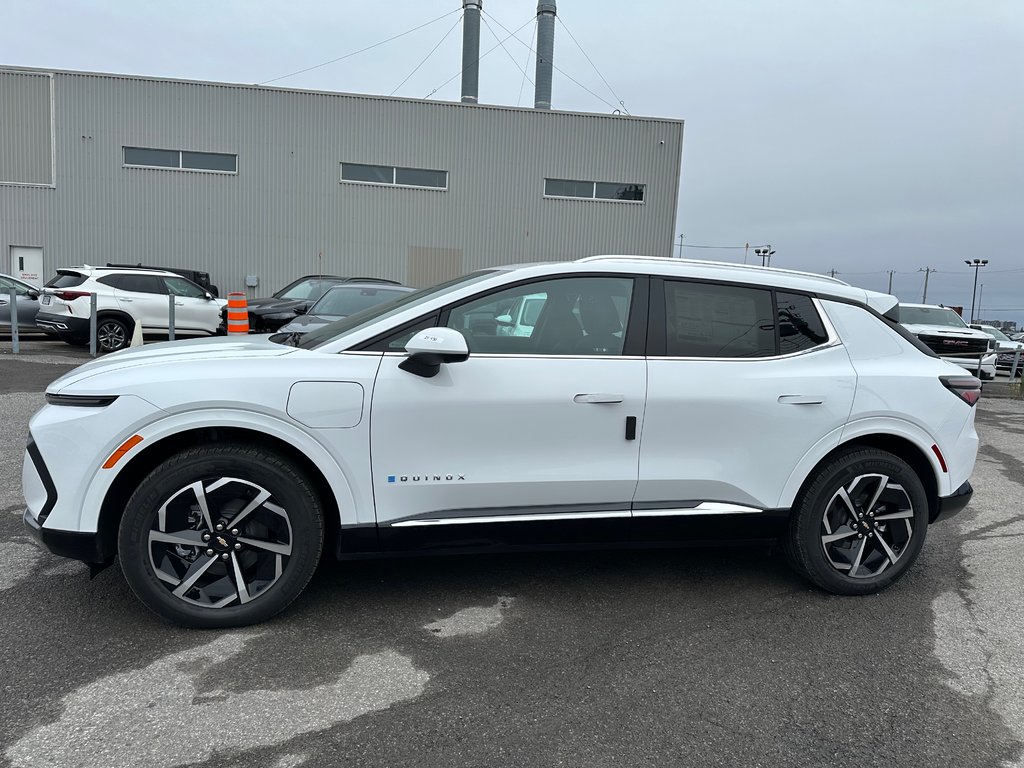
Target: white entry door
<point>27,264</point>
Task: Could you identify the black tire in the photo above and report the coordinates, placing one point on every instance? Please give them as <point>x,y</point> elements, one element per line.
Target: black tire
<point>240,551</point>
<point>112,334</point>
<point>824,536</point>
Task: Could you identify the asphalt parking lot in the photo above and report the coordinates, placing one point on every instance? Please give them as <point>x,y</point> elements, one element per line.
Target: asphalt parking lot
<point>689,657</point>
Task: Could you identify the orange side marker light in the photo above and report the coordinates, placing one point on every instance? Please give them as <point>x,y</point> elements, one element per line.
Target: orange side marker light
<point>126,446</point>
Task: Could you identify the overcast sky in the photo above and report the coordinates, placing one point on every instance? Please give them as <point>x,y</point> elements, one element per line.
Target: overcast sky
<point>855,135</point>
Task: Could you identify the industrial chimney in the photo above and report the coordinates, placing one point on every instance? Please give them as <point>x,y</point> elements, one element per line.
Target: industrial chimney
<point>470,50</point>
<point>545,51</point>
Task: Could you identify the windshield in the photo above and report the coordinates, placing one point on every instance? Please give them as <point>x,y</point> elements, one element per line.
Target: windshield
<point>310,288</point>
<point>342,301</point>
<point>996,334</point>
<point>339,328</point>
<point>931,316</point>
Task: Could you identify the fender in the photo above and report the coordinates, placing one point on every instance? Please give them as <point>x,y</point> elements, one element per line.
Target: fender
<point>872,425</point>
<point>340,478</point>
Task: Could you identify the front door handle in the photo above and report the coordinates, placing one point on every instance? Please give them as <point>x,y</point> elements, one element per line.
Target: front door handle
<point>802,399</point>
<point>127,300</point>
<point>599,398</point>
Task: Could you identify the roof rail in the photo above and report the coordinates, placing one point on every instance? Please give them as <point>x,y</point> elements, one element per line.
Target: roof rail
<point>703,262</point>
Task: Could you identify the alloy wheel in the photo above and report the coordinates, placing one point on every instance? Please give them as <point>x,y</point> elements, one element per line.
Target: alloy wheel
<point>111,336</point>
<point>220,542</point>
<point>867,525</point>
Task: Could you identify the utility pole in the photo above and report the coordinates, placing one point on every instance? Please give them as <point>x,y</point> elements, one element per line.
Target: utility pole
<point>927,271</point>
<point>891,273</point>
<point>981,295</point>
<point>680,245</point>
<point>832,272</point>
<point>975,264</point>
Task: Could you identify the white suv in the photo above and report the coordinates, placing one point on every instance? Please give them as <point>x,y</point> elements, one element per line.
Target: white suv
<point>125,297</point>
<point>673,399</point>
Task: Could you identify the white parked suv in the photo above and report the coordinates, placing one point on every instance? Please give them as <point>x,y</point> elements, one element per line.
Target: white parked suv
<point>125,297</point>
<point>653,400</point>
<point>943,331</point>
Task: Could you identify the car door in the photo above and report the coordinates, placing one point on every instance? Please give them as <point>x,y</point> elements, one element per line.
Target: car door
<point>532,438</point>
<point>144,297</point>
<point>193,311</point>
<point>743,382</point>
<point>26,304</point>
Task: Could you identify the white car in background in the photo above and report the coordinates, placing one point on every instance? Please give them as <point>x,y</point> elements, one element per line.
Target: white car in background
<point>943,331</point>
<point>652,400</point>
<point>125,297</point>
<point>1007,350</point>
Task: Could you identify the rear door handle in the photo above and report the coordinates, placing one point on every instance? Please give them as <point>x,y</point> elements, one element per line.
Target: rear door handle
<point>599,397</point>
<point>802,399</point>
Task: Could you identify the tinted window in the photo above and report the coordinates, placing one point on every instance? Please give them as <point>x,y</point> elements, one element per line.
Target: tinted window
<point>568,188</point>
<point>179,286</point>
<point>573,316</point>
<point>606,191</point>
<point>344,300</point>
<point>380,174</point>
<point>209,161</point>
<point>416,177</point>
<point>141,284</point>
<point>66,280</point>
<point>704,320</point>
<point>162,158</point>
<point>800,326</point>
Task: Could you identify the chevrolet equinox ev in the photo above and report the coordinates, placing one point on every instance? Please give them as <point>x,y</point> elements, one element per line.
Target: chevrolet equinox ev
<point>652,400</point>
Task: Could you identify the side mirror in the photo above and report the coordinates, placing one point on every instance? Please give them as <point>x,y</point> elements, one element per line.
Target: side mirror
<point>34,295</point>
<point>300,310</point>
<point>430,348</point>
<point>505,320</point>
<point>209,296</point>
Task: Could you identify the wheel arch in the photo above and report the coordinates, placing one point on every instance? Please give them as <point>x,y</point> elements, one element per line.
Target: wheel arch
<point>146,460</point>
<point>920,461</point>
<point>118,314</point>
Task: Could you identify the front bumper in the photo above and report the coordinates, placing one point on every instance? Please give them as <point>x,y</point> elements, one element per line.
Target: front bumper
<point>954,504</point>
<point>86,547</point>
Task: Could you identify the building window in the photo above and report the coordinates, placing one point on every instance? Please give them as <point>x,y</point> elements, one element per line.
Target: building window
<point>217,162</point>
<point>390,175</point>
<point>594,190</point>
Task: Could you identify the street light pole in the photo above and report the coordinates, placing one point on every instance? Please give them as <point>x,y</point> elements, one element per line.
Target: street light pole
<point>975,264</point>
<point>766,253</point>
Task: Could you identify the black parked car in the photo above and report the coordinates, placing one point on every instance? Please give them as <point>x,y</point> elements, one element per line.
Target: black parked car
<point>269,314</point>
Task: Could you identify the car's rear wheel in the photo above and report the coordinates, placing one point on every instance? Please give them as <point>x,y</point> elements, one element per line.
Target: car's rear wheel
<point>112,334</point>
<point>859,524</point>
<point>221,536</point>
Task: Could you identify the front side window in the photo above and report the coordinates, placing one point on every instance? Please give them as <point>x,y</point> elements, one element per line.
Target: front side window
<point>179,286</point>
<point>707,320</point>
<point>567,316</point>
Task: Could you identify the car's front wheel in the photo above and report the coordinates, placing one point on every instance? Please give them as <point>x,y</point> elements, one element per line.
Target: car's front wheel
<point>859,524</point>
<point>223,535</point>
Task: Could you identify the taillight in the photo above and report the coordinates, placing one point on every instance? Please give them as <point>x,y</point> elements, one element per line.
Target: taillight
<point>967,388</point>
<point>70,295</point>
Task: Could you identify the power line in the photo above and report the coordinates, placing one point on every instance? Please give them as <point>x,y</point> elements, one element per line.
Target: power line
<point>416,68</point>
<point>361,50</point>
<point>480,58</point>
<point>610,89</point>
<point>526,66</point>
<point>560,71</point>
<point>506,50</point>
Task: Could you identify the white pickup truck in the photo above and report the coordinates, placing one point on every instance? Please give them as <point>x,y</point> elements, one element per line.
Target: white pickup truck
<point>943,331</point>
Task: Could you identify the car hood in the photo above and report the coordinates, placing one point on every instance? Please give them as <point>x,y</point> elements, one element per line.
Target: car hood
<point>173,353</point>
<point>945,330</point>
<point>308,323</point>
<point>270,305</point>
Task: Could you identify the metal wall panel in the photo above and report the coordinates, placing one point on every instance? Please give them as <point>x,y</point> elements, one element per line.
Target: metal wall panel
<point>286,212</point>
<point>26,153</point>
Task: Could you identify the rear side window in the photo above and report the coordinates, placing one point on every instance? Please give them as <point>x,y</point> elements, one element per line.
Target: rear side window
<point>706,320</point>
<point>142,284</point>
<point>800,326</point>
<point>66,280</point>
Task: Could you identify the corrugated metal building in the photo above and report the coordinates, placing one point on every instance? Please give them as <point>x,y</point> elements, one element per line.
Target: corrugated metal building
<point>244,180</point>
